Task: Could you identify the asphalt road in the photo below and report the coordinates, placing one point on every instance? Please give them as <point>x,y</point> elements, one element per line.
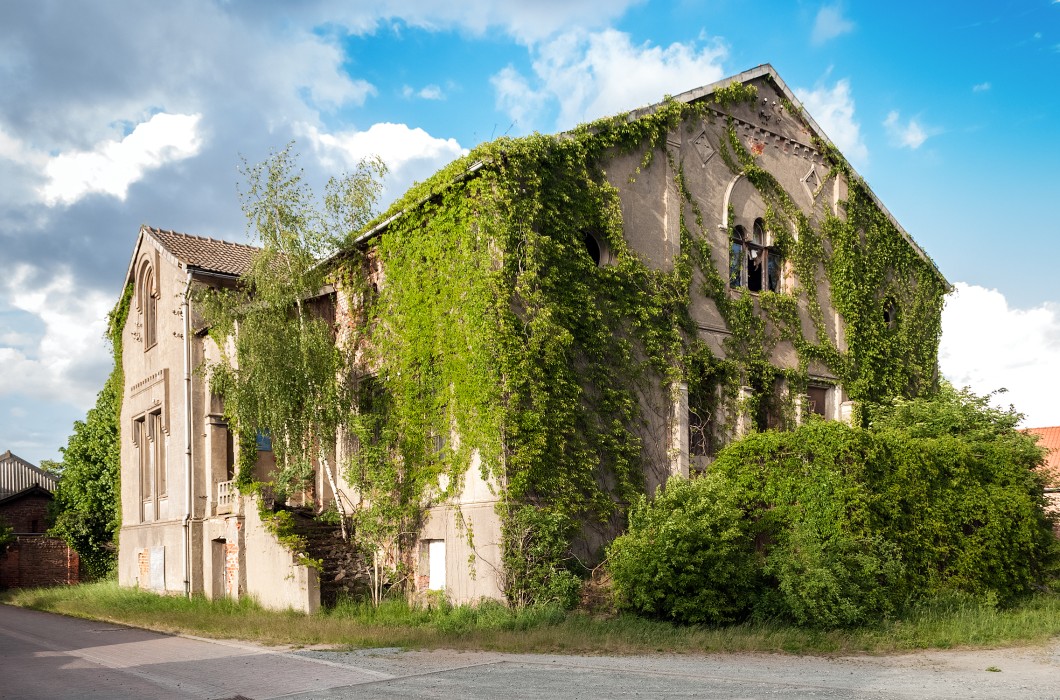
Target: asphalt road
<point>50,656</point>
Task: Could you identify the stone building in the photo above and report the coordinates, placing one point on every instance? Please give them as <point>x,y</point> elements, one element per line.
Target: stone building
<point>184,530</point>
<point>550,325</point>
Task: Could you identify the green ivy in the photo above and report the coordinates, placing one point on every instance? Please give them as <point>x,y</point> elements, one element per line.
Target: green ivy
<point>493,329</point>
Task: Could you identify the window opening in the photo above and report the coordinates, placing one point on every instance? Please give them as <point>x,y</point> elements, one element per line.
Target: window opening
<point>736,258</point>
<point>435,565</point>
<point>890,313</point>
<point>592,246</point>
<point>816,400</point>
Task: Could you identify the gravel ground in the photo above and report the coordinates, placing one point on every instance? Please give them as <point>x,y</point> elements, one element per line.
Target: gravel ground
<point>1023,673</point>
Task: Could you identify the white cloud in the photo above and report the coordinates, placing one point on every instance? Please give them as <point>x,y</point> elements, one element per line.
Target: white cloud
<point>428,92</point>
<point>829,24</point>
<point>112,166</point>
<point>911,135</point>
<point>833,110</point>
<point>593,75</point>
<point>983,87</point>
<point>409,154</point>
<point>53,365</point>
<point>525,21</point>
<point>517,98</point>
<point>988,345</point>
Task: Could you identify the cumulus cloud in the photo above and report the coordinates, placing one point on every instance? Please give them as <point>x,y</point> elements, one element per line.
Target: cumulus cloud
<point>988,345</point>
<point>981,87</point>
<point>910,135</point>
<point>112,166</point>
<point>61,364</point>
<point>833,109</point>
<point>829,24</point>
<point>587,75</point>
<point>410,153</point>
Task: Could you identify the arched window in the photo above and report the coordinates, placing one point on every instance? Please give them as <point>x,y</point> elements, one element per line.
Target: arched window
<point>149,306</point>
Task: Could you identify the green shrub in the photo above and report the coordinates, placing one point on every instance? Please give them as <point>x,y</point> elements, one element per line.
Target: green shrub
<point>833,526</point>
<point>839,581</point>
<point>688,555</point>
<point>537,558</point>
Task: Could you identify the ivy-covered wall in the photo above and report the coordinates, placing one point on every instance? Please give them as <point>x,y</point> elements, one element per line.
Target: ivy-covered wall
<point>486,333</point>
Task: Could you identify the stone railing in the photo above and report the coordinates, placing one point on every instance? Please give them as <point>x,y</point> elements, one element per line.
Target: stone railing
<point>226,497</point>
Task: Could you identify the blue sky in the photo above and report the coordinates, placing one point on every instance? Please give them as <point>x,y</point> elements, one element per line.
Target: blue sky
<point>121,113</point>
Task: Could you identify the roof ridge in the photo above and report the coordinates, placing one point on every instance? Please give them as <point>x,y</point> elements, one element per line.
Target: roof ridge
<point>154,229</point>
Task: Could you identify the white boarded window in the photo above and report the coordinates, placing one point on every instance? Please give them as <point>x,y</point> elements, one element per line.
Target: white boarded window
<point>436,565</point>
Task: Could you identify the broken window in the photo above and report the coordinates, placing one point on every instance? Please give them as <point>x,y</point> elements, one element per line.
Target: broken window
<point>890,313</point>
<point>736,276</point>
<point>752,262</point>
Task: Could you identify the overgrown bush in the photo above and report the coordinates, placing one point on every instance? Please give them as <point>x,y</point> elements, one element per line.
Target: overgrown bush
<point>688,556</point>
<point>536,557</point>
<point>843,526</point>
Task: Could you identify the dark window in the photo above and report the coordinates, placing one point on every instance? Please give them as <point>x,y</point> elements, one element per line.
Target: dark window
<point>753,263</point>
<point>592,246</point>
<point>736,278</point>
<point>890,313</point>
<point>816,400</point>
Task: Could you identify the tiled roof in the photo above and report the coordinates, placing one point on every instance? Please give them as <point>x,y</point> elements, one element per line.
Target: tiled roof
<point>207,254</point>
<point>1049,438</point>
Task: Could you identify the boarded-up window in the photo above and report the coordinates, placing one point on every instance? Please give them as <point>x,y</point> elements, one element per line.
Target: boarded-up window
<point>436,565</point>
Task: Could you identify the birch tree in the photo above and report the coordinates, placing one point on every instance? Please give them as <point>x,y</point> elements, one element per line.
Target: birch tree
<point>282,370</point>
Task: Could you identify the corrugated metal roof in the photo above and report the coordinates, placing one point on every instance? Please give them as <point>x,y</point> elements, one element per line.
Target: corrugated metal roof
<point>16,474</point>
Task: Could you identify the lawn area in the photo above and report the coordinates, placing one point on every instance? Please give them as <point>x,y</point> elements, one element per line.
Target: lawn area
<point>957,622</point>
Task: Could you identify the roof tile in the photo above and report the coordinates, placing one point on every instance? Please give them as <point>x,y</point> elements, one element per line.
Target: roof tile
<point>207,254</point>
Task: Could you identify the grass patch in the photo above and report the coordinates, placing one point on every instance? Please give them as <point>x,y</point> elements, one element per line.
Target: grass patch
<point>946,623</point>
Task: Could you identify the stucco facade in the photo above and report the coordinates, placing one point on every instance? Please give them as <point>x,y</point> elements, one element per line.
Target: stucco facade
<point>185,530</point>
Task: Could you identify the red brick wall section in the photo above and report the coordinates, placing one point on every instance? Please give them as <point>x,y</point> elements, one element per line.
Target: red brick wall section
<point>26,513</point>
<point>35,561</point>
<point>232,569</point>
<point>143,561</point>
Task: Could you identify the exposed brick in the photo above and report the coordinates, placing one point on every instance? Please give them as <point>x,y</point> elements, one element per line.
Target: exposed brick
<point>34,561</point>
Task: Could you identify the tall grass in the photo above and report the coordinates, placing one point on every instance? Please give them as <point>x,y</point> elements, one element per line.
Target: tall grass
<point>944,623</point>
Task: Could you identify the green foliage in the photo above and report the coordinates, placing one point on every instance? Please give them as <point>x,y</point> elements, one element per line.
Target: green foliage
<point>848,525</point>
<point>688,555</point>
<point>490,323</point>
<point>86,511</point>
<point>7,535</point>
<point>286,374</point>
<point>537,570</point>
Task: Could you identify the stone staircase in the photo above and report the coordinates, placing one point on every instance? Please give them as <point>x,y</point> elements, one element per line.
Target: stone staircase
<point>344,573</point>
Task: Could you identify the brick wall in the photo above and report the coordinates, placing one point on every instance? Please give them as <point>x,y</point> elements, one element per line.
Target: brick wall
<point>34,561</point>
<point>26,515</point>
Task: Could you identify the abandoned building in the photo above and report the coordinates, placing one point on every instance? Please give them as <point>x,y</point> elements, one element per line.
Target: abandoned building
<point>549,325</point>
<point>33,559</point>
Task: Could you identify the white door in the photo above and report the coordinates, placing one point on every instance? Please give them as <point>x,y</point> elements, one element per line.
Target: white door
<point>436,563</point>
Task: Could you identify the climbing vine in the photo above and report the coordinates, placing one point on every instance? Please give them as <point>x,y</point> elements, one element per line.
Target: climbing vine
<point>477,330</point>
<point>486,335</point>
